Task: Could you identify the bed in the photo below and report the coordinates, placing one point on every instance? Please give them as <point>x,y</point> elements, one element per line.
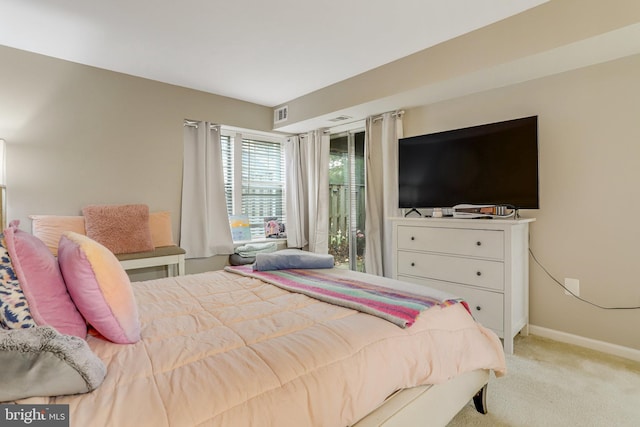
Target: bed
<point>227,349</point>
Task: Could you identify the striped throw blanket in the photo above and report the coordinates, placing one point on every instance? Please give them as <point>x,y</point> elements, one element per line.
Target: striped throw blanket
<point>395,305</point>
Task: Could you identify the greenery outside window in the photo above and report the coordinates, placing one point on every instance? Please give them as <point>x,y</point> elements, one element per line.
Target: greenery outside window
<point>346,200</point>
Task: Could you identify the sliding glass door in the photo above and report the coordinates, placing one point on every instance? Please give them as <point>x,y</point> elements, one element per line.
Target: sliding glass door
<point>346,200</point>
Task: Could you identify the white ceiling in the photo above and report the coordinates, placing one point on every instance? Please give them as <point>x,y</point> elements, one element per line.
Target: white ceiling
<point>266,52</point>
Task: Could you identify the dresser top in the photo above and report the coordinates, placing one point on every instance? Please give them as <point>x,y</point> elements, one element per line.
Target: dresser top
<point>474,221</point>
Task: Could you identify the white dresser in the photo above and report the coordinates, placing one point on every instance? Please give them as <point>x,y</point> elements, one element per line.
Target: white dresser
<point>484,261</point>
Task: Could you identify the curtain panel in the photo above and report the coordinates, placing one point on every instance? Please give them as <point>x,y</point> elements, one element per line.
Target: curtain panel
<point>296,195</point>
<point>315,149</point>
<point>307,160</point>
<point>381,200</point>
<point>204,224</point>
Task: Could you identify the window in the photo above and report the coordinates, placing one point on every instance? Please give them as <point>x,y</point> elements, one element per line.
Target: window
<point>254,179</point>
<point>346,200</point>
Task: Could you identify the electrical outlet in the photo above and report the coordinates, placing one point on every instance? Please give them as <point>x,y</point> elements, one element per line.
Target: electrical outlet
<point>572,285</point>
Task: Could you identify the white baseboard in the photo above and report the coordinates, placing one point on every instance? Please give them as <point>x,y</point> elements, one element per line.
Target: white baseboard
<point>605,347</point>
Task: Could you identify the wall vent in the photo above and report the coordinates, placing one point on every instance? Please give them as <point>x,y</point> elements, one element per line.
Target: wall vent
<point>281,114</point>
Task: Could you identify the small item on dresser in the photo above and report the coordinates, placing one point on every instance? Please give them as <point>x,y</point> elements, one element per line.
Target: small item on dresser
<point>482,211</point>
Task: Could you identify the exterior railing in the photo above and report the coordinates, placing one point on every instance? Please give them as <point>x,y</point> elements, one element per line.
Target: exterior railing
<point>339,223</point>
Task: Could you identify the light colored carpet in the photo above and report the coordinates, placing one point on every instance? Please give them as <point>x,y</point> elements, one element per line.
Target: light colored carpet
<point>555,384</point>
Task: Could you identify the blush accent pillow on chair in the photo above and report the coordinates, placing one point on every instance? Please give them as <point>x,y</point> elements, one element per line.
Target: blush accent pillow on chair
<point>99,287</point>
<point>123,229</point>
<point>49,228</point>
<point>160,225</point>
<point>42,283</point>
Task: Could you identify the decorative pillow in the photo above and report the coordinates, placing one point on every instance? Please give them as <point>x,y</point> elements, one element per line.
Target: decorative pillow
<point>39,277</point>
<point>123,229</point>
<point>99,287</point>
<point>161,231</point>
<point>40,361</point>
<point>292,258</point>
<point>49,228</point>
<point>14,308</point>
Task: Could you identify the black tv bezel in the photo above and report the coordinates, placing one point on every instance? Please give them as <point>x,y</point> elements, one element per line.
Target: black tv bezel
<point>478,131</point>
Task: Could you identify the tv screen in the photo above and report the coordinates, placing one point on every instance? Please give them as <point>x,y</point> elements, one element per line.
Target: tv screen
<point>491,164</point>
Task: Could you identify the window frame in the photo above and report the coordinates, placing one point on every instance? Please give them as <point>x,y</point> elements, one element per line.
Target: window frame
<point>233,135</point>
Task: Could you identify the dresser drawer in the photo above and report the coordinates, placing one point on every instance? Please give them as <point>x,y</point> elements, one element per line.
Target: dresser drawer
<point>486,307</point>
<point>456,241</point>
<point>470,271</point>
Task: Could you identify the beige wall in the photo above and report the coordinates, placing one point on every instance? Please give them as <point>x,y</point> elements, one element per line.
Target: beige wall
<point>556,35</point>
<point>589,147</point>
<point>79,135</point>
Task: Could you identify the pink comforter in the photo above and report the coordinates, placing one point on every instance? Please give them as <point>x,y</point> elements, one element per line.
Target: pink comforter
<point>220,349</point>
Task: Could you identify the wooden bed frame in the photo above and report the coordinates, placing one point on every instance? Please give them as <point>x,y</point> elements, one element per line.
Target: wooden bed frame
<point>433,405</point>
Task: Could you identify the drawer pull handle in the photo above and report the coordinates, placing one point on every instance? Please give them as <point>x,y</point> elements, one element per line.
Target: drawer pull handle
<point>478,308</point>
<point>478,243</point>
<point>413,264</point>
<point>478,273</point>
<point>413,238</point>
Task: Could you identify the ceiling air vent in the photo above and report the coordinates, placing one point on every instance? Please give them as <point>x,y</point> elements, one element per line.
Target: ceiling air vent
<point>281,114</point>
<point>340,118</point>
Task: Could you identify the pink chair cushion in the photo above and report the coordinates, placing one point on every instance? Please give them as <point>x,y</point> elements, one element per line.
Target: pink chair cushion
<point>42,283</point>
<point>99,287</point>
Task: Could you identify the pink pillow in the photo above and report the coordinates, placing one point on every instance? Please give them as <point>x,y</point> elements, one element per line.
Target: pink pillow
<point>123,229</point>
<point>42,283</point>
<point>100,287</point>
<point>49,228</point>
<point>161,232</point>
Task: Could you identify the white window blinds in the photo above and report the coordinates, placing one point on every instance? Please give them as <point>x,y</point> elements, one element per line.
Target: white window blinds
<point>262,180</point>
<point>262,184</point>
<point>227,168</point>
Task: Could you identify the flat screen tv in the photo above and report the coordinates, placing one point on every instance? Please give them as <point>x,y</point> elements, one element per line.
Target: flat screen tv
<point>491,164</point>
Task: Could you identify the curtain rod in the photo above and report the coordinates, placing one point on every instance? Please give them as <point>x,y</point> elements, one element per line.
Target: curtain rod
<point>194,124</point>
<point>397,113</point>
<point>323,130</point>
